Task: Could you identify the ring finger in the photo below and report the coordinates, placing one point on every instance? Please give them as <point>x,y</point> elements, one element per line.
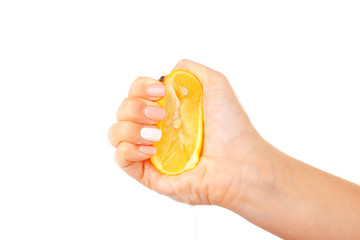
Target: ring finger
<point>126,131</point>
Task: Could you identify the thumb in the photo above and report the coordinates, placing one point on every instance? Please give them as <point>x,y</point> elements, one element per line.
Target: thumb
<point>220,101</point>
<point>205,74</point>
<point>213,82</point>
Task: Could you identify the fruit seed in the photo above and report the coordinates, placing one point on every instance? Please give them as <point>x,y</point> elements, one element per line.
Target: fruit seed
<point>184,91</point>
<point>177,123</point>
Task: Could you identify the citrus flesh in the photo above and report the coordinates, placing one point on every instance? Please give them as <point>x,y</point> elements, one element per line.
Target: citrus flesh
<point>182,129</point>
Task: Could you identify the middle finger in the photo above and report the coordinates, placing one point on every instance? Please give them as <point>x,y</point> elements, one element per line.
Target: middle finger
<point>139,110</point>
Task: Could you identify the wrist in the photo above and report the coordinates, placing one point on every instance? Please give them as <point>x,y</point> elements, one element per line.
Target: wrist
<point>267,191</point>
<point>246,173</point>
<point>257,178</point>
<point>290,198</point>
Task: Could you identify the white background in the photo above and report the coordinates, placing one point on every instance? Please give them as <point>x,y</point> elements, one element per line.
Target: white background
<point>65,66</point>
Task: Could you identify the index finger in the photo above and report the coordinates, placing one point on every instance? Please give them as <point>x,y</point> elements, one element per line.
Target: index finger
<point>147,88</point>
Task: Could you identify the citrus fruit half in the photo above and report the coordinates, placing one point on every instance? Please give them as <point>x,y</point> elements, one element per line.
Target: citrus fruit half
<point>182,129</point>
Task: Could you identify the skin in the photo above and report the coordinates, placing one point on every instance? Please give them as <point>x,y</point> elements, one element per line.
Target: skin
<point>238,169</point>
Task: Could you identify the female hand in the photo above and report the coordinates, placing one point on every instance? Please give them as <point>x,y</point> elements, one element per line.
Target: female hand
<point>238,170</point>
<point>229,140</point>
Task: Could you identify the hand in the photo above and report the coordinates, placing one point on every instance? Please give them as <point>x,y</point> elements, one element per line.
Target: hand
<point>238,169</point>
<point>229,140</point>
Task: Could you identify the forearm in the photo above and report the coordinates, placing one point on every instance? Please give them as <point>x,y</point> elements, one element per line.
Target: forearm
<point>296,201</point>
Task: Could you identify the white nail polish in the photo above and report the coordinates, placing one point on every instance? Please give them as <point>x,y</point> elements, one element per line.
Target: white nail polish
<point>151,134</point>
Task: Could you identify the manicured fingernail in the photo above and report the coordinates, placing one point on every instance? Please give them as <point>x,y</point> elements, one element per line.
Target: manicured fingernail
<point>155,113</point>
<point>156,90</point>
<point>148,150</point>
<point>151,134</point>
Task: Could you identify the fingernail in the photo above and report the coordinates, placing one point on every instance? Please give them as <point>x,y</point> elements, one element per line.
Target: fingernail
<point>155,113</point>
<point>148,150</point>
<point>156,90</point>
<point>151,134</point>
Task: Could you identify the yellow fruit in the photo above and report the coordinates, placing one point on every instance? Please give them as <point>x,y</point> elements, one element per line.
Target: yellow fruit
<point>182,130</point>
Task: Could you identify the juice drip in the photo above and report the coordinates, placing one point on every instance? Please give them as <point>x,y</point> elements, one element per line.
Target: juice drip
<point>196,219</point>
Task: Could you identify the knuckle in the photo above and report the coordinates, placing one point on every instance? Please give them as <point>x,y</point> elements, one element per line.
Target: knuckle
<point>129,108</point>
<point>120,155</point>
<point>111,133</point>
<point>133,106</point>
<point>136,84</point>
<point>130,101</point>
<point>123,128</point>
<point>121,110</point>
<point>129,132</point>
<point>139,79</point>
<point>118,133</point>
<point>126,101</point>
<point>183,61</point>
<point>221,75</point>
<point>122,150</point>
<point>123,106</point>
<point>217,73</point>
